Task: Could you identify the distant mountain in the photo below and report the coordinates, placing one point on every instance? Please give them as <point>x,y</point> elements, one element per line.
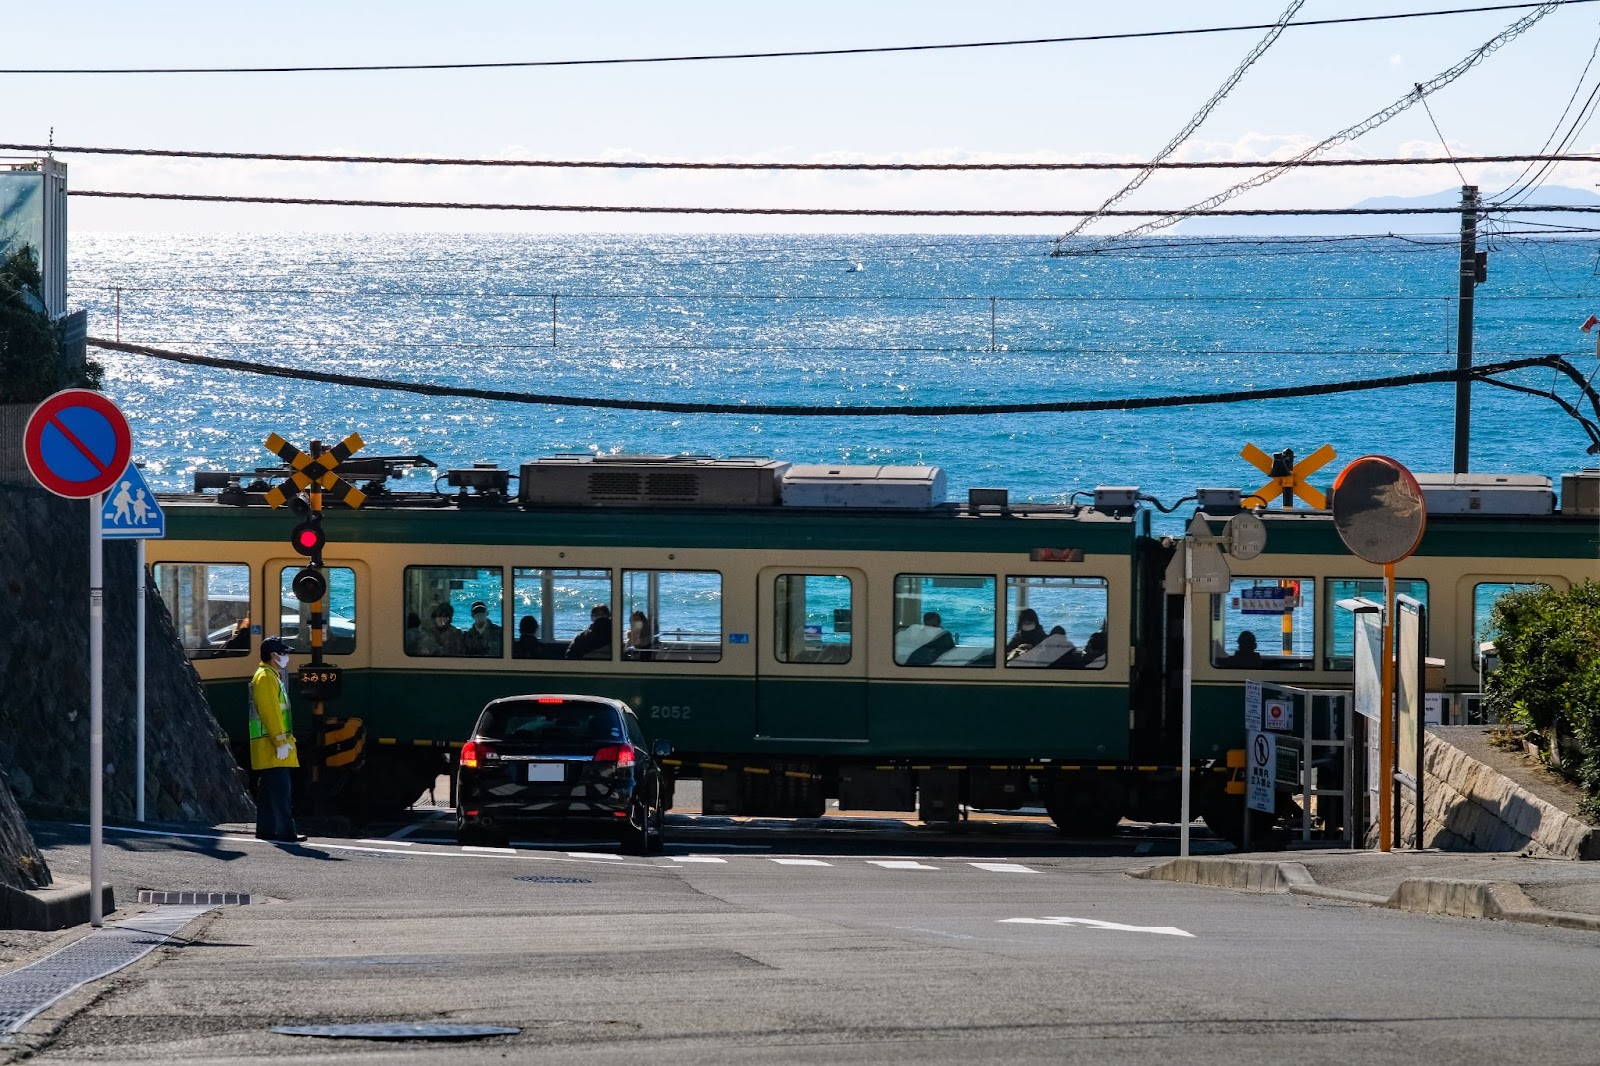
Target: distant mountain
<point>1321,225</point>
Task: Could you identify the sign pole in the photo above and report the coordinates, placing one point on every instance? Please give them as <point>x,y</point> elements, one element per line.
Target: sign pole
<point>1188,695</point>
<point>96,695</point>
<point>1386,718</point>
<point>138,680</point>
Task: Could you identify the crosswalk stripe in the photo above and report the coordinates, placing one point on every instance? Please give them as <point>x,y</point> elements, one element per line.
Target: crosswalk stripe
<point>900,864</point>
<point>1004,867</point>
<point>594,855</point>
<point>697,858</point>
<point>492,851</point>
<point>801,862</point>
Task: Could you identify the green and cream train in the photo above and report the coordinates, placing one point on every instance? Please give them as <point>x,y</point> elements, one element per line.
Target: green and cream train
<point>801,633</point>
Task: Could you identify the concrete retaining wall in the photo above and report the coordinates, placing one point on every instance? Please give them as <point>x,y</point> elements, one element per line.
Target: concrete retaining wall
<point>1469,806</point>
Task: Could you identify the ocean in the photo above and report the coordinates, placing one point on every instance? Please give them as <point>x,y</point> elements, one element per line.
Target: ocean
<point>840,320</point>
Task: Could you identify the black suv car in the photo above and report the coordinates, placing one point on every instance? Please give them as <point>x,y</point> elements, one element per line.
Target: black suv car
<point>560,761</point>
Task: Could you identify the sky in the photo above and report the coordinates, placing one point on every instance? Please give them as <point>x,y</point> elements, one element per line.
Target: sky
<point>1120,100</point>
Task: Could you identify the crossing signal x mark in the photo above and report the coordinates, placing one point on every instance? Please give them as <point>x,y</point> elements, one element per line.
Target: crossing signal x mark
<point>1288,477</point>
<point>318,471</point>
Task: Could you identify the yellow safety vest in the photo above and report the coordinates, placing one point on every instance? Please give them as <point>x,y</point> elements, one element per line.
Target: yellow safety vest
<point>271,722</point>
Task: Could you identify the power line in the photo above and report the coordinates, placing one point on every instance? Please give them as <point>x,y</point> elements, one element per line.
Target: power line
<point>817,410</point>
<point>852,212</point>
<point>794,54</point>
<point>1366,125</point>
<point>779,298</point>
<point>1194,122</point>
<point>613,164</point>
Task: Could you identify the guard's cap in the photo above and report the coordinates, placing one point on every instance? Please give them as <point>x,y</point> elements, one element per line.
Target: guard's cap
<point>274,646</point>
<point>480,606</point>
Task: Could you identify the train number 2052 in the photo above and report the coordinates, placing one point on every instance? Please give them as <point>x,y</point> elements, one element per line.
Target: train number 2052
<point>675,710</point>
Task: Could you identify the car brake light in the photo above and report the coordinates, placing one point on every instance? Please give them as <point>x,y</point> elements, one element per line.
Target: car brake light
<point>469,755</point>
<point>551,699</point>
<point>621,754</point>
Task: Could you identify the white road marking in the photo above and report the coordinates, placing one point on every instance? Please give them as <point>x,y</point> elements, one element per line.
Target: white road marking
<point>491,851</point>
<point>697,858</point>
<point>1004,867</point>
<point>801,862</point>
<point>407,830</point>
<point>900,864</point>
<point>595,855</point>
<point>386,840</point>
<point>610,860</point>
<point>1168,930</point>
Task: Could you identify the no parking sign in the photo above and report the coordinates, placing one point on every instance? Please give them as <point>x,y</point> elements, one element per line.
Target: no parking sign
<point>77,444</point>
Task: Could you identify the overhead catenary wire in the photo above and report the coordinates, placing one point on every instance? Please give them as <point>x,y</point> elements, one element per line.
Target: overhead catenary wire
<point>1516,184</point>
<point>689,164</point>
<point>1194,122</point>
<point>1366,125</point>
<point>789,54</point>
<point>823,410</point>
<point>847,212</point>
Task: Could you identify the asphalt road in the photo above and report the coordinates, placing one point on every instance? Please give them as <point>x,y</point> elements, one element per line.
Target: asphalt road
<point>744,945</point>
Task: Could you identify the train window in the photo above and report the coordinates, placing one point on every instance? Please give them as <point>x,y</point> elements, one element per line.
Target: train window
<point>1056,622</point>
<point>944,620</point>
<point>813,616</point>
<point>210,606</point>
<point>553,606</point>
<point>439,602</point>
<point>672,616</point>
<point>1484,596</point>
<point>1264,623</point>
<point>1341,649</point>
<point>339,610</point>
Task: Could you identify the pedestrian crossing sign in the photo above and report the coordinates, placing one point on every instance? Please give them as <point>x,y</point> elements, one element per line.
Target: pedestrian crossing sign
<point>129,511</point>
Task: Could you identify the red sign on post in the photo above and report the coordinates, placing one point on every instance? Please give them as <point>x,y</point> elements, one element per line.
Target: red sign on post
<point>77,444</point>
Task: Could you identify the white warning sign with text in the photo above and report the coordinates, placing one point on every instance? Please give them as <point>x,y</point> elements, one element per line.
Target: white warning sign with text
<point>1260,763</point>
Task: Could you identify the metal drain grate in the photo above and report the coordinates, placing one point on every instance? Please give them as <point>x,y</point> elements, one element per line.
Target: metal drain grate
<point>26,991</point>
<point>398,1031</point>
<point>546,880</point>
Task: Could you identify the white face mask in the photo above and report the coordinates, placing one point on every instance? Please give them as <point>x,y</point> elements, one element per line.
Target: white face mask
<point>280,660</point>
<point>1028,627</point>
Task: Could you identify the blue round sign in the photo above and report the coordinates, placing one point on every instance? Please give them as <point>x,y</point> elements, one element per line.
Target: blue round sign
<point>77,443</point>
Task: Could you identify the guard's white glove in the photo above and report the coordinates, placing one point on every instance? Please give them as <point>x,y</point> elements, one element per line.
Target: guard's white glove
<point>283,752</point>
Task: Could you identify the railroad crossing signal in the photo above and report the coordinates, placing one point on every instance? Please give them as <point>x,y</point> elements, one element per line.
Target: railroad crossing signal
<point>313,475</point>
<point>315,470</point>
<point>1288,477</point>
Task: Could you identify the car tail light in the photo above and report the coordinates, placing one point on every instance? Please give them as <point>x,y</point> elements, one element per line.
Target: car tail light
<point>621,754</point>
<point>470,753</point>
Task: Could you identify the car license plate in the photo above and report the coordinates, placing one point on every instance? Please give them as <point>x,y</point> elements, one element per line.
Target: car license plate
<point>547,771</point>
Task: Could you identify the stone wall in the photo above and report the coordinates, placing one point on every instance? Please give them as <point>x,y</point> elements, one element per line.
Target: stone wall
<point>21,865</point>
<point>1469,805</point>
<point>44,678</point>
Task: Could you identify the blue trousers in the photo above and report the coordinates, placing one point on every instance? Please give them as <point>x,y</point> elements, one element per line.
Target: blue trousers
<point>273,817</point>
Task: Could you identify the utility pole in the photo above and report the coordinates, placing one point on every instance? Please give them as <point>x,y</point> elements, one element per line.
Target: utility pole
<point>1474,268</point>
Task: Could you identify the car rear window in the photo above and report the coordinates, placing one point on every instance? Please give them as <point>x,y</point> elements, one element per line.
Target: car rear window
<point>569,722</point>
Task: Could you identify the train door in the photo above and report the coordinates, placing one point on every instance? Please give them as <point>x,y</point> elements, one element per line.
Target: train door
<point>811,659</point>
<point>348,637</point>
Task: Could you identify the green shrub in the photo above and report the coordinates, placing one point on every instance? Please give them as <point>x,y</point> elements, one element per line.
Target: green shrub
<point>31,364</point>
<point>1548,642</point>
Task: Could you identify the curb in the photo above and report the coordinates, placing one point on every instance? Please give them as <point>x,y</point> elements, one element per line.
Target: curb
<point>1460,898</point>
<point>59,906</point>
